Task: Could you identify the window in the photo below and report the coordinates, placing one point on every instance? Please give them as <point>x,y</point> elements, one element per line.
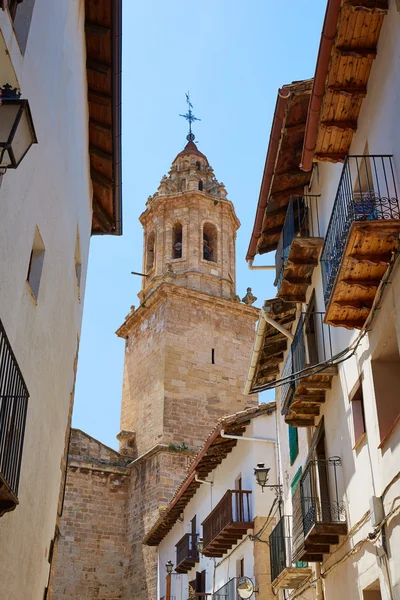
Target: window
<point>240,567</point>
<point>212,356</point>
<point>21,13</point>
<point>182,185</point>
<point>78,263</point>
<point>210,242</point>
<point>357,408</point>
<point>198,165</point>
<point>293,443</point>
<point>200,185</point>
<point>177,241</point>
<point>386,375</point>
<point>151,241</point>
<point>36,264</point>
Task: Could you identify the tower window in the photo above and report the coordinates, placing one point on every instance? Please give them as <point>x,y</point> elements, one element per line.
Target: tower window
<point>177,241</point>
<point>212,356</point>
<point>200,185</point>
<point>182,185</point>
<point>198,165</point>
<point>210,242</point>
<point>151,242</point>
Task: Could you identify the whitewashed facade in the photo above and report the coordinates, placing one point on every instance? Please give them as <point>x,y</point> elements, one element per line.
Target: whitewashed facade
<point>45,212</point>
<point>247,556</point>
<point>361,410</point>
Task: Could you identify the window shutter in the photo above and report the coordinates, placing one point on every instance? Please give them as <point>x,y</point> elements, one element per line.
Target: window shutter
<point>298,544</point>
<point>293,444</point>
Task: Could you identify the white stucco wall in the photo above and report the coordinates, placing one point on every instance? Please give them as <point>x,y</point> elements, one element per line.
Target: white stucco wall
<point>50,190</point>
<point>369,468</point>
<point>239,463</point>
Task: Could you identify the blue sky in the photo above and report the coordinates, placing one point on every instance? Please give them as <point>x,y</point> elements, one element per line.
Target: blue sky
<point>232,55</point>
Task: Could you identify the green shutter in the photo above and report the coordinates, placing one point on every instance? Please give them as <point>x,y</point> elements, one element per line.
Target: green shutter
<point>293,443</point>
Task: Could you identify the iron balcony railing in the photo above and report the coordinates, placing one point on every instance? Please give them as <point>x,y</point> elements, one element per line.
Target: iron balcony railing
<point>319,493</point>
<point>234,507</point>
<point>302,221</point>
<point>312,344</point>
<point>367,192</point>
<point>186,549</point>
<point>227,591</point>
<point>13,407</point>
<point>280,547</point>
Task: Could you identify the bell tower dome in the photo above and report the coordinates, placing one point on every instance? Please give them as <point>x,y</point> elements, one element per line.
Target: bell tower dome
<point>190,229</point>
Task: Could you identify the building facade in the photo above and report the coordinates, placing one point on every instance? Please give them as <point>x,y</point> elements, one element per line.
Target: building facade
<point>335,361</point>
<point>216,528</point>
<point>182,373</point>
<point>48,207</point>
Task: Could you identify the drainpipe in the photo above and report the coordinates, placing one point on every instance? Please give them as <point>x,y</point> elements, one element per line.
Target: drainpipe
<point>249,439</point>
<point>260,267</point>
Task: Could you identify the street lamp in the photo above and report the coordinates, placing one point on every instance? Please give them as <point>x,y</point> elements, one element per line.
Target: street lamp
<point>261,472</point>
<point>200,545</point>
<point>17,133</point>
<point>168,567</point>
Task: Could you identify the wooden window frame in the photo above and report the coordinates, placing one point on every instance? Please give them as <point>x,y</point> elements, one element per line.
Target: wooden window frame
<point>356,398</point>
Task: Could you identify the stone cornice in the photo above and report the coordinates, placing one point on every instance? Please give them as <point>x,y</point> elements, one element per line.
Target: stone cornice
<point>185,200</point>
<point>166,290</point>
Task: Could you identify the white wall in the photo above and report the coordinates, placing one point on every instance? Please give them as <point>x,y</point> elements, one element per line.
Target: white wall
<point>50,189</point>
<point>240,462</point>
<point>369,468</point>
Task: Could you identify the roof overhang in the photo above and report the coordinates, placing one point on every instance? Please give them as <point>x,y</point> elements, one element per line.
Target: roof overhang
<point>347,50</point>
<point>266,359</point>
<point>103,29</point>
<point>215,449</point>
<point>282,177</point>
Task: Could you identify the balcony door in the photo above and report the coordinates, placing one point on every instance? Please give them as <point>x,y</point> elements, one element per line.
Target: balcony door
<point>310,331</point>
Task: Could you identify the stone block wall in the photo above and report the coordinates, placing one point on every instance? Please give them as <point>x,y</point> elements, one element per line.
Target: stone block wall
<point>262,565</point>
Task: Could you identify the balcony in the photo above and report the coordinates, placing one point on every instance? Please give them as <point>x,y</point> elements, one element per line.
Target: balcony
<point>361,237</point>
<point>13,407</point>
<point>319,517</point>
<point>285,574</point>
<point>227,523</point>
<point>187,554</point>
<point>298,249</point>
<point>305,387</point>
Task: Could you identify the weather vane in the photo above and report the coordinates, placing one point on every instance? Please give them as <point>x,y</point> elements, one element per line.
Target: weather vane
<point>189,116</point>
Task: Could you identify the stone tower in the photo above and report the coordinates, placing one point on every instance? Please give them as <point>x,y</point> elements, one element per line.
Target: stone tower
<point>187,351</point>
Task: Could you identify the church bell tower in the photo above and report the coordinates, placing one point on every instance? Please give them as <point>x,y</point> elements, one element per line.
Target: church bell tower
<point>187,345</point>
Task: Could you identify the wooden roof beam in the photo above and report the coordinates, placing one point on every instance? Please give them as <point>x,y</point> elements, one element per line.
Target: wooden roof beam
<point>99,98</point>
<point>101,180</point>
<point>95,29</point>
<point>102,217</point>
<point>296,128</point>
<point>333,157</point>
<point>100,153</point>
<point>100,127</point>
<point>340,125</point>
<point>359,91</point>
<point>367,6</point>
<point>356,52</point>
<point>97,66</point>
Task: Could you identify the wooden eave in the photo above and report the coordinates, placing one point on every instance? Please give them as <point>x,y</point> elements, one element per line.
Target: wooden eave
<point>343,68</point>
<point>274,343</point>
<point>282,175</point>
<point>215,449</point>
<point>103,67</point>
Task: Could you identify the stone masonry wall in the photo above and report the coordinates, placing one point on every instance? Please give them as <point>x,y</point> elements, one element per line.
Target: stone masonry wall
<point>91,550</point>
<point>154,481</point>
<point>262,565</point>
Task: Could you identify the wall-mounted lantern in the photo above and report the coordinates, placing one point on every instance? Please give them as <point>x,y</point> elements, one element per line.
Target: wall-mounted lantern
<point>168,567</point>
<point>17,133</point>
<point>261,472</point>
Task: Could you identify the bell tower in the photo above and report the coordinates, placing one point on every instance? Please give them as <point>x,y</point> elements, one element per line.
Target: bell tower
<point>190,229</point>
<point>189,343</point>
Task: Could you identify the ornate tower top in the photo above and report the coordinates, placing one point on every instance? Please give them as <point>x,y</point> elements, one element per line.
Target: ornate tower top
<point>190,227</point>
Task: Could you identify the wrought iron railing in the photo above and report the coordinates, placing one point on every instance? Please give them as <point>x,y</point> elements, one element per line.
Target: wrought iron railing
<point>312,344</point>
<point>301,220</point>
<point>227,591</point>
<point>13,407</point>
<point>280,547</point>
<point>234,507</point>
<point>186,548</point>
<point>367,192</point>
<point>319,493</point>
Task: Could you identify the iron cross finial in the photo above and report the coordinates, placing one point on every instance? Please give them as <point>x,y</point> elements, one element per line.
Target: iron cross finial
<point>189,116</point>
